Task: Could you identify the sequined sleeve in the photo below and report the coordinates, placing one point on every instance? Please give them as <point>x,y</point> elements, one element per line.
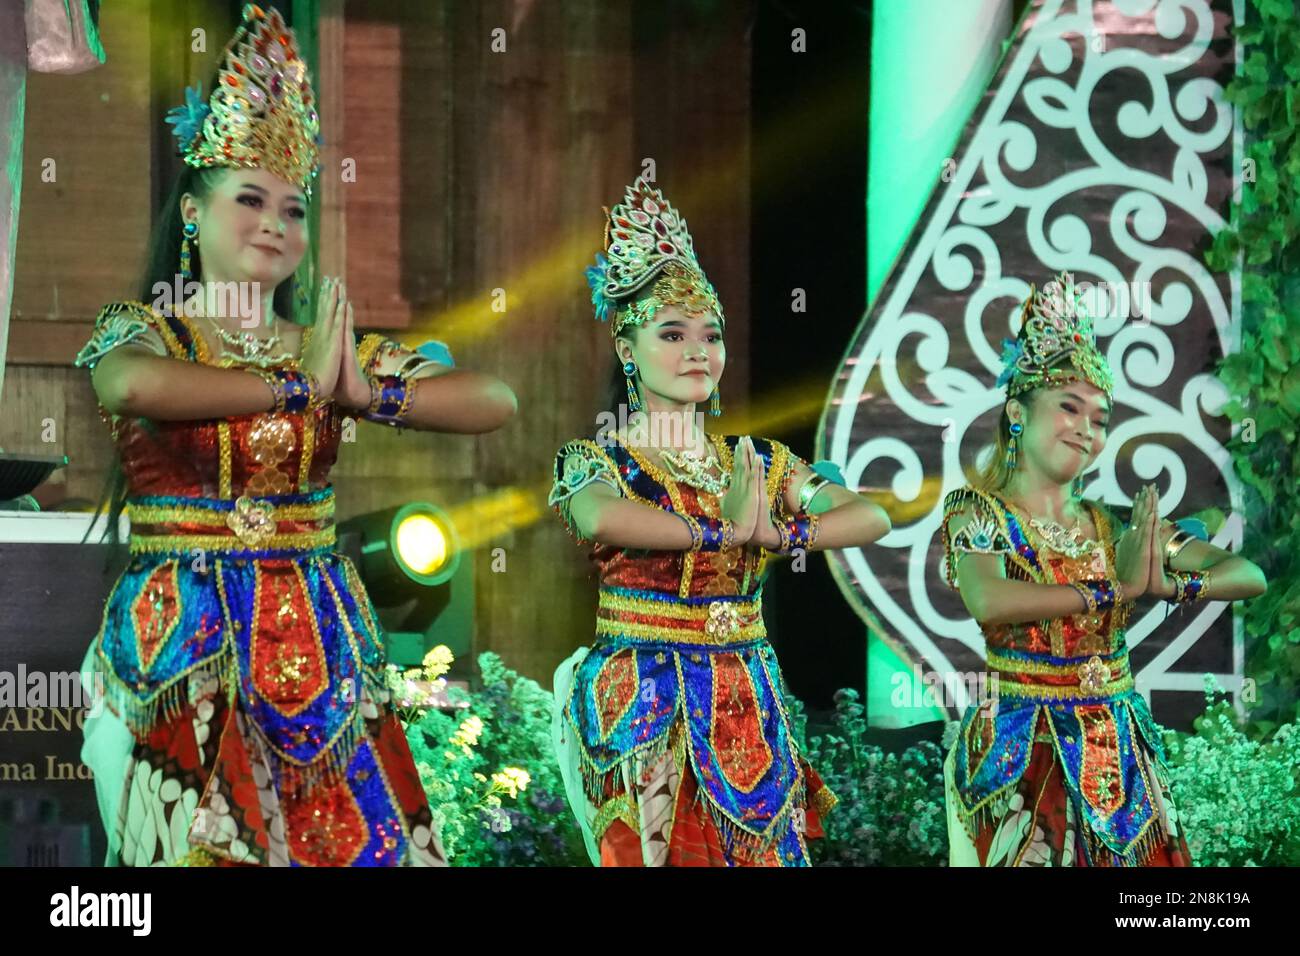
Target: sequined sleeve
<point>982,533</point>
<point>117,324</point>
<point>788,462</point>
<point>577,465</point>
<point>380,355</point>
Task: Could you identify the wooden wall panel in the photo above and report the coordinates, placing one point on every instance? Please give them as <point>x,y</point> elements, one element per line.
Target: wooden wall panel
<point>476,171</point>
<point>79,235</point>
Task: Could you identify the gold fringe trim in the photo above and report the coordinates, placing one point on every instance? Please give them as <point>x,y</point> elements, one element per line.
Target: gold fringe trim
<point>991,810</point>
<point>619,808</point>
<point>1112,690</point>
<point>229,543</point>
<point>168,702</point>
<point>329,767</point>
<point>193,514</point>
<point>716,624</point>
<point>739,841</point>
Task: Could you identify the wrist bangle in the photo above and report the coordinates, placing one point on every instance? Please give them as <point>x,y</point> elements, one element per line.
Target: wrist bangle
<point>1099,593</point>
<point>809,489</point>
<point>1189,586</point>
<point>697,534</point>
<point>715,534</point>
<point>1089,602</point>
<point>1180,540</point>
<point>293,390</point>
<point>796,532</point>
<point>391,399</point>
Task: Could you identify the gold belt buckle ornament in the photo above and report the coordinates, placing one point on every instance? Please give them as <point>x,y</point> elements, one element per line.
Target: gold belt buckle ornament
<point>251,521</point>
<point>724,620</point>
<point>1093,675</point>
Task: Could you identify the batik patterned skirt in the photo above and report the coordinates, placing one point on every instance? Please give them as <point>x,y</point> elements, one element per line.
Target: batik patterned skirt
<point>1038,825</point>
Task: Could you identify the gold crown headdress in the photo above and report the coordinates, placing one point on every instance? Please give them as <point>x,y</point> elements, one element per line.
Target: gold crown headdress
<point>1056,343</point>
<point>262,112</point>
<point>647,241</point>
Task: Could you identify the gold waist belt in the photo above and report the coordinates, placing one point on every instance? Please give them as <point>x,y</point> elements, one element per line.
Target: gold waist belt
<point>245,527</point>
<point>654,616</point>
<point>1042,677</point>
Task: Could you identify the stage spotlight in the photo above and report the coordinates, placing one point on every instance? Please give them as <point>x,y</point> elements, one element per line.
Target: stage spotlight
<point>409,558</point>
<point>424,542</point>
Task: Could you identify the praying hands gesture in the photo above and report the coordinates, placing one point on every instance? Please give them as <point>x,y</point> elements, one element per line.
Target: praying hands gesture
<point>330,353</point>
<point>1137,555</point>
<point>353,389</point>
<point>745,502</point>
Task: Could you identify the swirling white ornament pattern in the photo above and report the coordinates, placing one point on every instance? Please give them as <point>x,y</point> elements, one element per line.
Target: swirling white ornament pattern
<point>900,346</point>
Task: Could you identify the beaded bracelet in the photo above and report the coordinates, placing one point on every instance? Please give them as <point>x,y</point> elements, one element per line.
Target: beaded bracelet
<point>709,534</point>
<point>293,390</point>
<point>391,398</point>
<point>796,532</point>
<point>697,533</point>
<point>1089,602</point>
<point>717,534</point>
<point>1100,594</point>
<point>1189,586</point>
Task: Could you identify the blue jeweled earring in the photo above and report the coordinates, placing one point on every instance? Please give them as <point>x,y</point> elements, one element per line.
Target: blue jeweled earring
<point>715,403</point>
<point>1013,446</point>
<point>633,402</point>
<point>190,231</point>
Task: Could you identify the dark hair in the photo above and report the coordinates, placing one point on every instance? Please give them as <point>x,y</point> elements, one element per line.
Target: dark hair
<point>614,393</point>
<point>161,265</point>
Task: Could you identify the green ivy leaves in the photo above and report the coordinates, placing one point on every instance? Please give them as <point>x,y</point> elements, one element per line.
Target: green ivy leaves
<point>1263,376</point>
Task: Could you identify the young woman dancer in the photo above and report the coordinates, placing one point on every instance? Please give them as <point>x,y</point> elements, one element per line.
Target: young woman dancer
<point>1063,765</point>
<point>672,728</point>
<point>247,719</point>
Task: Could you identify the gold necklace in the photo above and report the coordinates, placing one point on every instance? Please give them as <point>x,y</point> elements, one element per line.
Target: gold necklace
<point>693,470</point>
<point>1067,541</point>
<point>253,350</point>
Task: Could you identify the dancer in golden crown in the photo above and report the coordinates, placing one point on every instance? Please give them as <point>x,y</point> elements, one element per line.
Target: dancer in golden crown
<point>672,730</point>
<point>247,717</point>
<point>1064,765</point>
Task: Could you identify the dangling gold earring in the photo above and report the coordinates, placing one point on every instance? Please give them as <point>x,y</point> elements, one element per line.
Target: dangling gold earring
<point>715,403</point>
<point>190,231</point>
<point>1013,445</point>
<point>1076,487</point>
<point>633,402</point>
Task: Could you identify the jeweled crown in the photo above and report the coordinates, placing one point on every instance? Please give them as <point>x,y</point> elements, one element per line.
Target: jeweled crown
<point>262,112</point>
<point>647,241</point>
<point>1056,342</point>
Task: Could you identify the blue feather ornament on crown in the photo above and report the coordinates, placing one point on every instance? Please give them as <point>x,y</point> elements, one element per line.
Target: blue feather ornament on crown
<point>647,247</point>
<point>1010,353</point>
<point>597,276</point>
<point>187,120</point>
